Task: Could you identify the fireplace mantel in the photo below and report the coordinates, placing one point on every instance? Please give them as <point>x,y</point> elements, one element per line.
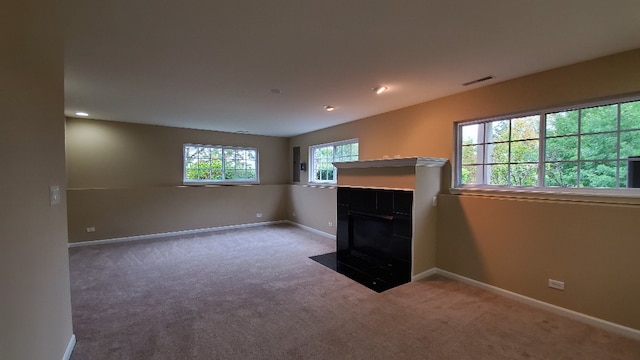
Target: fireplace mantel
<point>392,162</point>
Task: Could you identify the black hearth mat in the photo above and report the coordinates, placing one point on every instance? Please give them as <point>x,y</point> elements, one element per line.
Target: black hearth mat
<point>359,271</point>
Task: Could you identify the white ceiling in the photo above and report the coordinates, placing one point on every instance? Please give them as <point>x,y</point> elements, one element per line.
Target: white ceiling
<point>212,64</point>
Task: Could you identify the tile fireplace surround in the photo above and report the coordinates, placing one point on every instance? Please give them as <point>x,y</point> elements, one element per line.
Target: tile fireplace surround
<point>386,220</point>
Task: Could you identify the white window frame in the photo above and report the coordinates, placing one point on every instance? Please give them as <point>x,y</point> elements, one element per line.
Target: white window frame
<point>223,181</point>
<point>539,189</point>
<point>313,165</point>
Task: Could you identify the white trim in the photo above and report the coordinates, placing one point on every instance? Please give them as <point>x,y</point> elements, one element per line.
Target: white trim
<point>172,233</point>
<point>425,274</point>
<point>311,161</point>
<point>70,346</point>
<point>392,162</point>
<point>187,182</point>
<point>310,229</point>
<point>605,196</point>
<point>583,318</point>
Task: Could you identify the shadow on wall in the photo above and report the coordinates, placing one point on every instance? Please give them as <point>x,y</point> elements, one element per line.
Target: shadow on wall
<point>457,247</point>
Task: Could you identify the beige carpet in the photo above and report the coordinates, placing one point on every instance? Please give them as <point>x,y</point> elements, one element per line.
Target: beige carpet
<point>254,294</point>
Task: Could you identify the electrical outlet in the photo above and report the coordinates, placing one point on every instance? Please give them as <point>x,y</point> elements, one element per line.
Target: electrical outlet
<point>294,214</point>
<point>91,229</point>
<point>556,284</point>
<point>259,215</point>
<point>330,224</point>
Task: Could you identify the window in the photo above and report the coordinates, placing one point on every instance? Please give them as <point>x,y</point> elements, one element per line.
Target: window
<point>322,157</point>
<point>220,164</point>
<point>582,147</point>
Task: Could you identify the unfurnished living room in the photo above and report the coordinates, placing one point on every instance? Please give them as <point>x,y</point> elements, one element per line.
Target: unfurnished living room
<point>320,180</point>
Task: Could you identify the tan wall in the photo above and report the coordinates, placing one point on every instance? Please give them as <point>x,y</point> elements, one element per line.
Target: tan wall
<point>427,129</point>
<point>109,154</point>
<point>519,244</point>
<point>35,304</point>
<point>126,180</point>
<point>313,206</point>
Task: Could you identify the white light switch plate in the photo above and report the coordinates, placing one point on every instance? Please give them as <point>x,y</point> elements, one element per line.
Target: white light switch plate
<point>54,195</point>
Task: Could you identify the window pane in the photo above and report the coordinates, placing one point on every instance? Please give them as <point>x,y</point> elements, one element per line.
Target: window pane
<point>216,164</point>
<point>624,172</point>
<point>524,151</point>
<point>562,123</point>
<point>564,174</point>
<point>600,174</point>
<point>562,148</point>
<point>470,154</point>
<point>497,153</point>
<point>599,118</point>
<point>346,152</point>
<point>525,128</point>
<point>598,147</point>
<point>469,174</point>
<point>470,134</point>
<point>629,144</point>
<point>524,174</point>
<point>497,174</point>
<point>498,131</point>
<point>630,115</point>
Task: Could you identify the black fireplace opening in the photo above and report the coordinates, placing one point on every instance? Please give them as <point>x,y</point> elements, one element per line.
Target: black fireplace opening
<point>370,236</point>
<point>373,237</point>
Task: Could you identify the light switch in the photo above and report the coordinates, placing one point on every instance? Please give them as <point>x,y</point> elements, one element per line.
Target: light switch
<point>54,195</point>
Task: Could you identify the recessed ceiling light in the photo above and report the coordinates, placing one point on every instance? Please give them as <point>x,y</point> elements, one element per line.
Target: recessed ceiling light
<point>329,108</point>
<point>380,89</point>
<point>82,113</point>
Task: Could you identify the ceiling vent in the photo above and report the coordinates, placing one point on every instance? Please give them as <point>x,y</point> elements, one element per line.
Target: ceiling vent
<point>478,80</point>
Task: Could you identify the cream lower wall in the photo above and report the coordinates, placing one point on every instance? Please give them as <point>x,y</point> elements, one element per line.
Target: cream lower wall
<point>518,245</point>
<point>313,206</point>
<point>117,213</point>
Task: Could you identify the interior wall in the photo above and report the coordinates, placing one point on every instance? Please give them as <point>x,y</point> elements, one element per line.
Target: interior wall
<point>35,303</point>
<point>592,247</point>
<point>427,129</point>
<point>126,180</point>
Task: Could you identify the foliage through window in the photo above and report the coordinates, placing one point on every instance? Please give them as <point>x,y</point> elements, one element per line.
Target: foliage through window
<point>220,164</point>
<point>323,156</point>
<point>583,147</point>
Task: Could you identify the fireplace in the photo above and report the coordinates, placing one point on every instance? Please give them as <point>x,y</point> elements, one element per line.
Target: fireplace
<point>374,235</point>
<point>386,219</point>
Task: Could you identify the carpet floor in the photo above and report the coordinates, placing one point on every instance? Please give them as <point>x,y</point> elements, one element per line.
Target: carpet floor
<point>254,294</point>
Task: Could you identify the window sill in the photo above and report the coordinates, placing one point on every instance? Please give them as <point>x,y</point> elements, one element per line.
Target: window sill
<point>603,196</point>
<point>319,185</point>
<point>214,184</point>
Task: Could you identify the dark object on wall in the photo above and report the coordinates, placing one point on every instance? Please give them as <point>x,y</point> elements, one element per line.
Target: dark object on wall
<point>633,177</point>
<point>303,166</point>
<point>296,164</point>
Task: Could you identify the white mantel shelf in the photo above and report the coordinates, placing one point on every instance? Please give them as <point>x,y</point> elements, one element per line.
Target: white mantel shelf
<point>392,162</point>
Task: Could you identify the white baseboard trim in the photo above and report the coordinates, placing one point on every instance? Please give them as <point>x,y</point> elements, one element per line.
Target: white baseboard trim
<point>172,233</point>
<point>70,346</point>
<point>587,319</point>
<point>312,229</point>
<point>424,274</point>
